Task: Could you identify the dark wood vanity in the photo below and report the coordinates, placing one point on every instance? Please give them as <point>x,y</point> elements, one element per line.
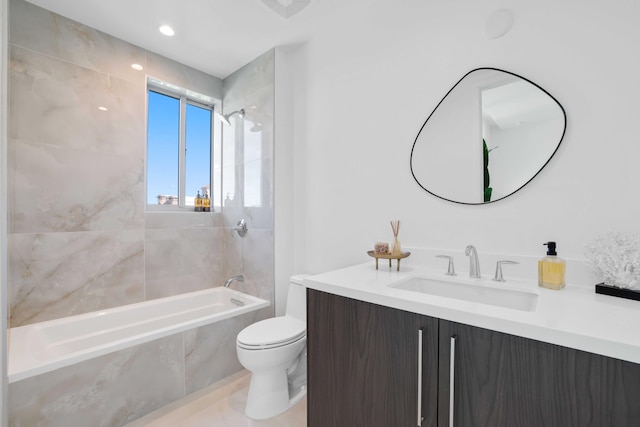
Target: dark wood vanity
<point>367,365</point>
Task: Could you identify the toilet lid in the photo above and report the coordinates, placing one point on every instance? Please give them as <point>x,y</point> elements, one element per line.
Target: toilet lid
<point>273,332</point>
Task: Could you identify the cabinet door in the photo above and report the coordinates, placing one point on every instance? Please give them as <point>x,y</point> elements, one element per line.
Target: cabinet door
<point>363,364</point>
<point>502,380</point>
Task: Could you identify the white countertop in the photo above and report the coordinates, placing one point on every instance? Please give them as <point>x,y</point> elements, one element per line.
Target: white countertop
<point>574,317</point>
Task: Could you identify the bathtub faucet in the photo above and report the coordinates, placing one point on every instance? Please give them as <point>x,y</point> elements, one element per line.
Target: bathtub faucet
<point>239,278</point>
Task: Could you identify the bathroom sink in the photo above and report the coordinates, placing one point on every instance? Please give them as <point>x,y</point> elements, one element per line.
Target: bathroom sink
<point>490,294</point>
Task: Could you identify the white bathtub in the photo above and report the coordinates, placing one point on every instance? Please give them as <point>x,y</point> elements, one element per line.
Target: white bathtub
<point>43,347</point>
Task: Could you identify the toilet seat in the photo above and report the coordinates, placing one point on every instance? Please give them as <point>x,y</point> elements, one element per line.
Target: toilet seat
<point>271,333</point>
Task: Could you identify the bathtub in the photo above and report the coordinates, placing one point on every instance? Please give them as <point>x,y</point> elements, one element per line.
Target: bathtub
<point>43,347</point>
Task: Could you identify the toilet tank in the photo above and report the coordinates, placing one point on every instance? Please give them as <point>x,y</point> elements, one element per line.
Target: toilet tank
<point>297,298</point>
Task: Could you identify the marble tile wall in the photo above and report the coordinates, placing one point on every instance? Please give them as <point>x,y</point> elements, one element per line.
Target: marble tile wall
<point>75,173</point>
<point>96,393</point>
<point>79,237</point>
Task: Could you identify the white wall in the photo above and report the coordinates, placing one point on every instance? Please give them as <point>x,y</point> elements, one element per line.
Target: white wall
<point>283,176</point>
<point>3,210</point>
<point>366,85</point>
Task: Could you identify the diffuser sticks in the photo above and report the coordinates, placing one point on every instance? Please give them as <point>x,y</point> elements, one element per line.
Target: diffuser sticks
<point>395,249</point>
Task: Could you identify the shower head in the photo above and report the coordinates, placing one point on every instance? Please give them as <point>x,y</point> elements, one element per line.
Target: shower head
<point>225,117</point>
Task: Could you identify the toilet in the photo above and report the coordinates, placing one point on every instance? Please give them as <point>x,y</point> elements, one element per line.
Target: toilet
<point>275,352</point>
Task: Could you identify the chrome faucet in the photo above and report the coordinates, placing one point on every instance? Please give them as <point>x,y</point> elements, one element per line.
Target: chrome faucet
<point>451,271</point>
<point>498,276</point>
<point>239,278</point>
<point>474,265</point>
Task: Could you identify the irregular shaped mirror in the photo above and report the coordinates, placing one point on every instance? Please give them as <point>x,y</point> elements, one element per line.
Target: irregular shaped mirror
<point>491,134</point>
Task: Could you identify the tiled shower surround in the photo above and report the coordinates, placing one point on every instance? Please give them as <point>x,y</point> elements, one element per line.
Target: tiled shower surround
<point>79,237</point>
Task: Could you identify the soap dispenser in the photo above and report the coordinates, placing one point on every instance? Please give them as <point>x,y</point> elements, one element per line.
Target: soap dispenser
<point>206,202</point>
<point>198,202</point>
<point>551,269</point>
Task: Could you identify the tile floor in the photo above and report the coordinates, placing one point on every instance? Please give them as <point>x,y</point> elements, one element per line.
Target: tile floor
<point>220,405</point>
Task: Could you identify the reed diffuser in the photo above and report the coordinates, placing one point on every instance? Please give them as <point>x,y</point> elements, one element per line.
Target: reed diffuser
<point>395,248</point>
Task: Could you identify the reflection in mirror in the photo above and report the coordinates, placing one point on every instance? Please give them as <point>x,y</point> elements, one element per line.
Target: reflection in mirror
<point>492,133</point>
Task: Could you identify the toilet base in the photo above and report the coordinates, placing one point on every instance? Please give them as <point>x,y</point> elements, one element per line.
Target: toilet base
<point>269,395</point>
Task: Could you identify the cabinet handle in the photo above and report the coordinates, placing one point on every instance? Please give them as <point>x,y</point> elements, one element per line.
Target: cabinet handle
<point>452,373</point>
<point>420,376</point>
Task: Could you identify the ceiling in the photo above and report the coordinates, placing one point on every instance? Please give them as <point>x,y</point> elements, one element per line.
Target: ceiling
<point>214,36</point>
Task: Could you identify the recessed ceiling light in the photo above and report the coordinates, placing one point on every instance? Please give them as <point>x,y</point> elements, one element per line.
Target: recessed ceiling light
<point>137,67</point>
<point>166,30</point>
<point>103,109</point>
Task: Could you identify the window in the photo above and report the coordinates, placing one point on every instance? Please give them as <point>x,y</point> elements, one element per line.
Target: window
<point>179,148</point>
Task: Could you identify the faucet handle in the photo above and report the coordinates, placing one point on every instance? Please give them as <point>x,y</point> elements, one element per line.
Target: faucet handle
<point>498,277</point>
<point>241,227</point>
<point>450,270</point>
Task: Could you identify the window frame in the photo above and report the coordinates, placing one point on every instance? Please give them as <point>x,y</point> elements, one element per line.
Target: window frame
<point>181,96</point>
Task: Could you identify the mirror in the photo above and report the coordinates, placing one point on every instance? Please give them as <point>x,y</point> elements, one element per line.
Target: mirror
<point>491,134</point>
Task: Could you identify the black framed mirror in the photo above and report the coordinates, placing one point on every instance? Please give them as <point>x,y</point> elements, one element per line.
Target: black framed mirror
<point>491,134</point>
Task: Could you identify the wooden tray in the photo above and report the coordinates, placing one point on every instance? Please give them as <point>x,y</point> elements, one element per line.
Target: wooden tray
<point>389,257</point>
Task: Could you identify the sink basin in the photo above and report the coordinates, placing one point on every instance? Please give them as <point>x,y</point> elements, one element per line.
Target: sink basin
<point>496,295</point>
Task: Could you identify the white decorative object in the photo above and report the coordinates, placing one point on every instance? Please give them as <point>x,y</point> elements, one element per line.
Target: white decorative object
<point>615,258</point>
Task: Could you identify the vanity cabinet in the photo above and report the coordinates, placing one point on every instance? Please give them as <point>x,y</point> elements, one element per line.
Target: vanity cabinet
<point>363,364</point>
<point>502,380</point>
<point>363,371</point>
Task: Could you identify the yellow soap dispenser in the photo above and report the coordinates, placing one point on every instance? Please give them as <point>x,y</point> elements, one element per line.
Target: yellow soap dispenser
<point>198,202</point>
<point>551,269</point>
